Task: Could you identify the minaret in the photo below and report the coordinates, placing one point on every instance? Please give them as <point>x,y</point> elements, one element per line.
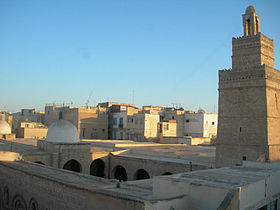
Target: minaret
<point>253,48</point>
<point>249,95</point>
<point>251,22</point>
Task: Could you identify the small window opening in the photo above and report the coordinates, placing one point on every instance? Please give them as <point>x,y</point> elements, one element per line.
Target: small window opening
<point>240,129</point>
<point>248,27</point>
<point>257,25</point>
<point>244,158</point>
<point>60,116</point>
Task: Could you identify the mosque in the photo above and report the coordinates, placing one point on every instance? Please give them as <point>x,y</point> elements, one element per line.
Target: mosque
<point>63,172</point>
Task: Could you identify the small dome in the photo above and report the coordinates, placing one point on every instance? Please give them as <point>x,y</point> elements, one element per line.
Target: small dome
<point>201,111</point>
<point>5,127</point>
<point>62,131</point>
<point>250,9</point>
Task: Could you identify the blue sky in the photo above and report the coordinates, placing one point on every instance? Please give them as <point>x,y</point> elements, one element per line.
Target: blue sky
<point>163,51</point>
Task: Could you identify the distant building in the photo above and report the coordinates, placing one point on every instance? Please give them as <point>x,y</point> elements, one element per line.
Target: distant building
<point>168,114</point>
<point>167,129</point>
<point>120,120</point>
<point>201,124</point>
<point>91,122</point>
<point>32,130</point>
<point>26,115</point>
<point>143,126</point>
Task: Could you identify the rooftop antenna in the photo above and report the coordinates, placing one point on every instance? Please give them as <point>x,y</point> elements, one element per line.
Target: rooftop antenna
<point>87,102</point>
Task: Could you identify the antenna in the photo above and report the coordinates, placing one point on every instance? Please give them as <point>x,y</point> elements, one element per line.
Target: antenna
<point>87,102</point>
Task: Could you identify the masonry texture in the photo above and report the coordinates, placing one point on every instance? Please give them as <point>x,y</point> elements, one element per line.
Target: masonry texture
<point>249,117</point>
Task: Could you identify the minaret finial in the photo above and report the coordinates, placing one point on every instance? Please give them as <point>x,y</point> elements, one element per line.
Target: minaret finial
<point>251,22</point>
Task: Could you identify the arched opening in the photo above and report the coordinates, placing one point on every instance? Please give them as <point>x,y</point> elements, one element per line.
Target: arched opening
<point>120,173</point>
<point>33,205</point>
<point>39,162</point>
<point>166,173</point>
<point>72,165</point>
<point>141,174</point>
<point>248,27</point>
<point>19,203</point>
<point>257,25</point>
<point>97,168</point>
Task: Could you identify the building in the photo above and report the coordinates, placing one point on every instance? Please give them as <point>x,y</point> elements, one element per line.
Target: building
<point>167,129</point>
<point>201,124</point>
<point>143,126</point>
<point>119,121</point>
<point>33,130</point>
<point>91,122</point>
<point>26,115</point>
<point>172,115</point>
<point>249,118</point>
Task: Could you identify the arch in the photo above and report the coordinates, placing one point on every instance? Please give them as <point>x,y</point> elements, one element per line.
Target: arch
<point>33,204</point>
<point>141,174</point>
<point>19,203</point>
<point>97,168</point>
<point>39,162</point>
<point>73,165</point>
<point>166,174</point>
<point>120,173</point>
<point>6,196</point>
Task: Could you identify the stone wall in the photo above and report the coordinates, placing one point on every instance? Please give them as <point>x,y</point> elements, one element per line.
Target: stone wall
<point>28,186</point>
<point>153,167</point>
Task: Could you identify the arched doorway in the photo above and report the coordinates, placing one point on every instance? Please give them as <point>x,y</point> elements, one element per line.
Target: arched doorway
<point>120,173</point>
<point>72,165</point>
<point>97,168</point>
<point>166,173</point>
<point>141,174</point>
<point>39,162</point>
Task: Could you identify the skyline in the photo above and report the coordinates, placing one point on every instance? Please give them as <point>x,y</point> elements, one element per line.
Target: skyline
<point>58,52</point>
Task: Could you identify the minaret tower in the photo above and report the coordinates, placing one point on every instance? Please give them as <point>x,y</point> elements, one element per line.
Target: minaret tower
<point>249,95</point>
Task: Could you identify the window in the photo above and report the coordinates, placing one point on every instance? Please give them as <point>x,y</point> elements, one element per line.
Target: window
<point>187,121</point>
<point>94,133</point>
<point>132,120</point>
<point>240,129</point>
<point>83,132</point>
<point>121,121</point>
<point>173,117</point>
<point>248,27</point>
<point>115,121</point>
<point>244,158</point>
<point>166,127</point>
<point>213,123</point>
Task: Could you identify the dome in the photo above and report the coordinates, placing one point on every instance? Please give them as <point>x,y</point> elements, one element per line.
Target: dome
<point>62,131</point>
<point>201,111</point>
<point>5,127</point>
<point>250,9</point>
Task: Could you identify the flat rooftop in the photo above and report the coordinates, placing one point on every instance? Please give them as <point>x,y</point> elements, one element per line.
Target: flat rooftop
<point>180,153</point>
<point>137,190</point>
